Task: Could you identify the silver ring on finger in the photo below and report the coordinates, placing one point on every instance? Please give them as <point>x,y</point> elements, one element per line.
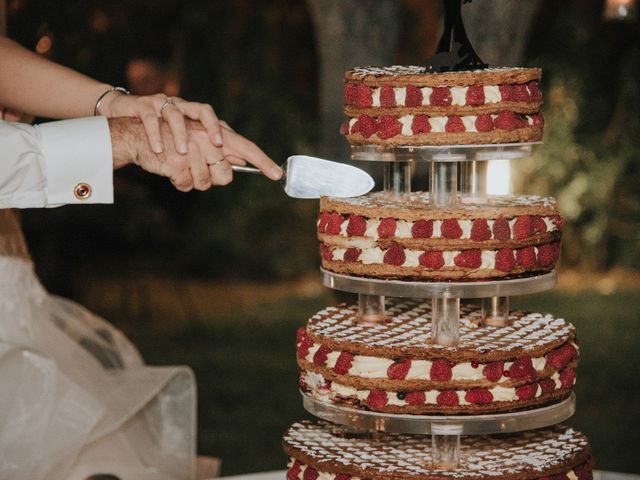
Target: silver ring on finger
<point>168,101</point>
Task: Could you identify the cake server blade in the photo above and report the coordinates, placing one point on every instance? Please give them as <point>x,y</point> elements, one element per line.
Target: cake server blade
<point>311,177</point>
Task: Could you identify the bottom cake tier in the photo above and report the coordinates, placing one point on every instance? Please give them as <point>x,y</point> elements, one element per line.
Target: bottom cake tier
<point>323,450</point>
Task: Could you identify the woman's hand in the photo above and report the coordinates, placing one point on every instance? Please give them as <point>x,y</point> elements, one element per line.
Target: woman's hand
<point>150,109</point>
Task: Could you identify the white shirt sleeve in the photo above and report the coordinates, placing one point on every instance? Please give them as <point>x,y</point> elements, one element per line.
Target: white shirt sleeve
<point>55,163</point>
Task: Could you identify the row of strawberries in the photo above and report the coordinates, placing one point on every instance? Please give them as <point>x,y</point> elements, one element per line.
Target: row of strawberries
<point>441,370</point>
<point>378,399</point>
<point>388,126</point>
<point>361,96</point>
<point>506,259</point>
<point>524,227</point>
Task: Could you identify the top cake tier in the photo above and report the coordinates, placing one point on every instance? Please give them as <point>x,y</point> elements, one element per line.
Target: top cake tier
<point>404,105</point>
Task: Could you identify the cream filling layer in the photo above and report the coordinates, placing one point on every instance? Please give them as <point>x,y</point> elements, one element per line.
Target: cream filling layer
<point>458,95</point>
<point>404,228</point>
<point>318,387</point>
<point>376,367</point>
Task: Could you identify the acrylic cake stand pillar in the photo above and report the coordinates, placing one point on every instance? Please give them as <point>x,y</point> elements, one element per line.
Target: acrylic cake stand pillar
<point>397,182</point>
<point>473,185</point>
<point>473,179</point>
<point>445,311</point>
<point>443,192</point>
<point>397,178</point>
<point>371,309</point>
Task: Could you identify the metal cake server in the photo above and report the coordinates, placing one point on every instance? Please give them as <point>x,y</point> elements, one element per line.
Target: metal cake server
<point>311,177</point>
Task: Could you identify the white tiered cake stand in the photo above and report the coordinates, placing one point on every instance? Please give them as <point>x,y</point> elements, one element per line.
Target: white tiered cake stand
<point>457,172</point>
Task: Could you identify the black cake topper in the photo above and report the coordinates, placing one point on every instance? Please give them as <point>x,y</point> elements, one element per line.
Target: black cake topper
<point>454,52</point>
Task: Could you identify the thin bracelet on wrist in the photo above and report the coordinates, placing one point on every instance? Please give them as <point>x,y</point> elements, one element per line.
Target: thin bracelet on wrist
<point>96,110</point>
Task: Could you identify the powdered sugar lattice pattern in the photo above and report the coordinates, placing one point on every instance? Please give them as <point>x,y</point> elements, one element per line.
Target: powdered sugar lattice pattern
<point>409,326</point>
<point>396,70</point>
<point>420,200</point>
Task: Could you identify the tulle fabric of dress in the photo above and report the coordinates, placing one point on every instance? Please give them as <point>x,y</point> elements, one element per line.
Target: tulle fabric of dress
<point>76,399</point>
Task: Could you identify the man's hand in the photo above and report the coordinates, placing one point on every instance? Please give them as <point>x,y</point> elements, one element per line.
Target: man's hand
<point>203,166</point>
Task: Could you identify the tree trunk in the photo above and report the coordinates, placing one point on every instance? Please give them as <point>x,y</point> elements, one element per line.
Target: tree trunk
<point>499,29</point>
<point>348,34</point>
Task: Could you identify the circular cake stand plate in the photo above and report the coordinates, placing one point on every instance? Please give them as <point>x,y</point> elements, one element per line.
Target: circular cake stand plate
<point>425,289</point>
<point>364,420</point>
<point>496,151</point>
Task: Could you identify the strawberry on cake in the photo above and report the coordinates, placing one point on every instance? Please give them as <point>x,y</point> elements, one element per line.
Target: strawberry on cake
<point>404,105</point>
<point>380,236</point>
<point>393,367</point>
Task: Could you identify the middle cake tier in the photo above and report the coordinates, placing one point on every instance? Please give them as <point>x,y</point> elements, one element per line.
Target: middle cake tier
<point>393,366</point>
<point>379,236</point>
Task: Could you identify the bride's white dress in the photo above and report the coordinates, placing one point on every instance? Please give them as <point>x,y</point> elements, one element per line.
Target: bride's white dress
<point>75,396</point>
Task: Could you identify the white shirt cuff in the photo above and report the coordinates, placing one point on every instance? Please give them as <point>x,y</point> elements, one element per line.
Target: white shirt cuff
<point>78,160</point>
